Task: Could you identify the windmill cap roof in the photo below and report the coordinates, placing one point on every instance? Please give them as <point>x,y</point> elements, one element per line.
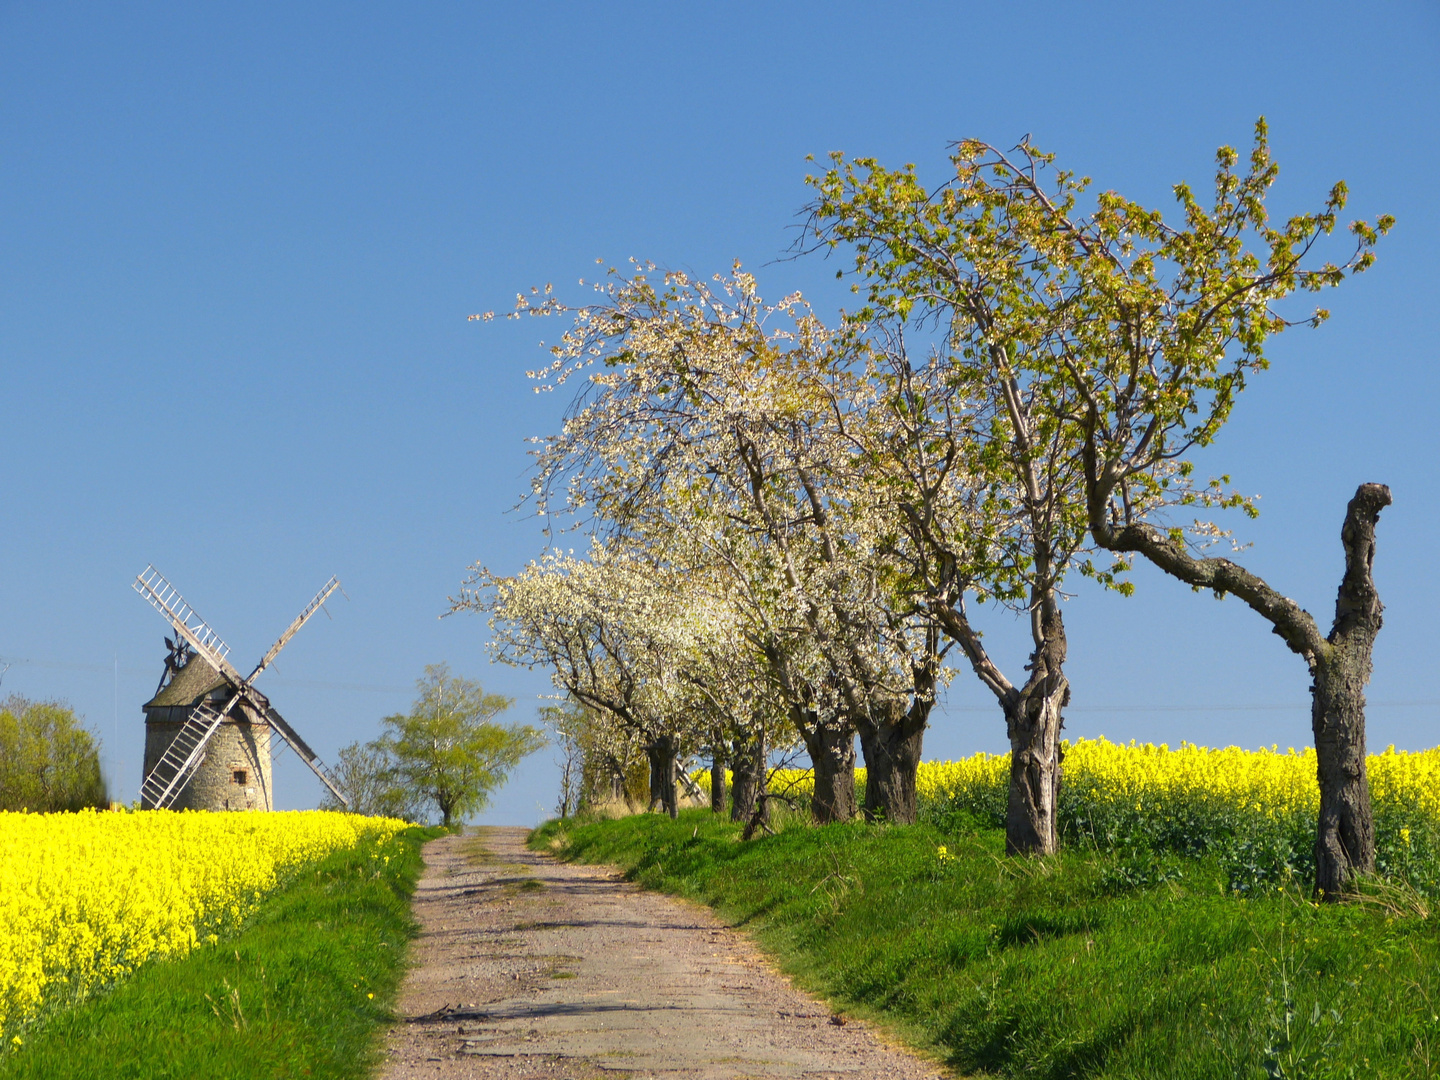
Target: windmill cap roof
<point>188,685</point>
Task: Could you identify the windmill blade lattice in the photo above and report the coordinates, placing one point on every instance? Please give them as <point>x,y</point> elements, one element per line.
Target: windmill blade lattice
<point>166,599</point>
<point>183,756</point>
<point>303,751</point>
<point>300,620</point>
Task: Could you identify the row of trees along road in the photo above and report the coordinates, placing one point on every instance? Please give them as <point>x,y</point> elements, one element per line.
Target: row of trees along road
<point>788,521</point>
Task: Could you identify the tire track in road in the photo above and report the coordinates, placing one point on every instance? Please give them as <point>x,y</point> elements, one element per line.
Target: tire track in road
<point>530,968</point>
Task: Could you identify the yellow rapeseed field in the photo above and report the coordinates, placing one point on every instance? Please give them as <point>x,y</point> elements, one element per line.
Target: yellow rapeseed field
<point>1140,776</point>
<point>86,898</point>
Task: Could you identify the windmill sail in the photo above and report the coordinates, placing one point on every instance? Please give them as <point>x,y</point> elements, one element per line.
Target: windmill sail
<point>167,600</point>
<point>302,749</point>
<point>300,620</point>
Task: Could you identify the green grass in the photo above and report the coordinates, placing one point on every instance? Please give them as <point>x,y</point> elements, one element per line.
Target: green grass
<point>1089,964</point>
<point>289,996</point>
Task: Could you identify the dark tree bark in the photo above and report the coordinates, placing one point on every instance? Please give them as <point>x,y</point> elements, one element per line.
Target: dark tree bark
<point>1033,719</point>
<point>762,781</point>
<point>892,755</point>
<point>717,778</point>
<point>661,753</point>
<point>831,746</point>
<point>1339,664</point>
<point>1345,834</point>
<point>892,748</point>
<point>748,771</point>
<point>829,740</point>
<point>1032,825</point>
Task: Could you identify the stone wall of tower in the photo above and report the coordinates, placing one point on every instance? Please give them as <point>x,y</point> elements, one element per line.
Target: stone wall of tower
<point>235,774</point>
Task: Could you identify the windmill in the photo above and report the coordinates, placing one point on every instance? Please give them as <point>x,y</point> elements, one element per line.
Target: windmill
<point>211,696</point>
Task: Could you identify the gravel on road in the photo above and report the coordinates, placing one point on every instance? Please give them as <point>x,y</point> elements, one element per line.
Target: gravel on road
<point>528,967</point>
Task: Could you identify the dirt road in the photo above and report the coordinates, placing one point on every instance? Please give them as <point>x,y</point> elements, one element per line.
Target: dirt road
<point>531,968</point>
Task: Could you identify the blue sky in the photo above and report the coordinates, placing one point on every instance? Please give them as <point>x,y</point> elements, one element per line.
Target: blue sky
<point>238,246</point>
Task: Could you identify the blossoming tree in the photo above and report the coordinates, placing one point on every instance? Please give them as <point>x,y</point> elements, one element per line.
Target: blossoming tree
<point>722,423</point>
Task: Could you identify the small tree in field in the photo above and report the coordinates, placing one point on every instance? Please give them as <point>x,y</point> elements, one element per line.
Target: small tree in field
<point>48,762</point>
<point>365,772</point>
<point>447,751</point>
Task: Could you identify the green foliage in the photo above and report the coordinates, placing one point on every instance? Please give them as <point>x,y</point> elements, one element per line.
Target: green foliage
<point>446,753</point>
<point>1257,851</point>
<point>1151,967</point>
<point>595,767</point>
<point>1126,337</point>
<point>366,773</point>
<point>48,762</point>
<point>303,990</point>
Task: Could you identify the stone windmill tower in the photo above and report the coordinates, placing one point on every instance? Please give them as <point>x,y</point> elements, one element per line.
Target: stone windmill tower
<point>208,731</point>
<point>235,771</point>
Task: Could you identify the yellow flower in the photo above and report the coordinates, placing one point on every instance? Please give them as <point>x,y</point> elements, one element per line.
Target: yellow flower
<point>87,898</point>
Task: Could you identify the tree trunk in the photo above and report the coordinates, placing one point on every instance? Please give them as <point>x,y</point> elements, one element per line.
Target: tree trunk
<point>1031,823</point>
<point>762,783</point>
<point>1339,664</point>
<point>832,753</point>
<point>1033,719</point>
<point>1345,833</point>
<point>892,751</point>
<point>748,771</point>
<point>1033,715</point>
<point>661,753</point>
<point>717,778</point>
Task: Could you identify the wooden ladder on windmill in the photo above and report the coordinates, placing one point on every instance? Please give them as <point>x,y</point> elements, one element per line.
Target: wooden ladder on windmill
<point>185,754</point>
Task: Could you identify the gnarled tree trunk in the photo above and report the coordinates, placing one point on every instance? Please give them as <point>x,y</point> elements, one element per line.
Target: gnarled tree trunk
<point>1034,720</point>
<point>892,749</point>
<point>1339,664</point>
<point>747,767</point>
<point>661,754</point>
<point>831,745</point>
<point>1345,832</point>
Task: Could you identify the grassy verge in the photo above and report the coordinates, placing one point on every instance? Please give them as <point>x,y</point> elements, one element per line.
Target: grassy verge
<point>1086,965</point>
<point>300,992</point>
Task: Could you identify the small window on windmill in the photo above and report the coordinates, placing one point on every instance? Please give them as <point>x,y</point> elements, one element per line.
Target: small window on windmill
<point>241,777</point>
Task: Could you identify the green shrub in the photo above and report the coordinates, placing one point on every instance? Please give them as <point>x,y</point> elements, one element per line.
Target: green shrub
<point>48,762</point>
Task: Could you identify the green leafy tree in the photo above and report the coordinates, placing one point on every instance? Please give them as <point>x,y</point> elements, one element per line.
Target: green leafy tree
<point>1122,341</point>
<point>448,751</point>
<point>365,773</point>
<point>981,454</point>
<point>48,761</point>
<point>597,763</point>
